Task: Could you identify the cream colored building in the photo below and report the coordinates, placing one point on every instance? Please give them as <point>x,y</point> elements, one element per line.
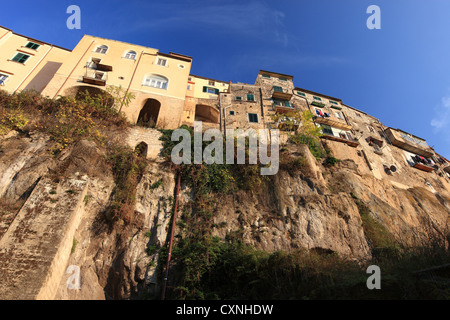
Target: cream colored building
<point>203,101</point>
<point>157,80</point>
<point>27,63</point>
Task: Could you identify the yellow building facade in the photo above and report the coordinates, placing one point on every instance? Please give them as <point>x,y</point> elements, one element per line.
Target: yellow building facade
<point>157,80</point>
<point>26,63</point>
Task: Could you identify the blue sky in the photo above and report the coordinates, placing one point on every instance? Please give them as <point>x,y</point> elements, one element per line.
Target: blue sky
<point>399,74</point>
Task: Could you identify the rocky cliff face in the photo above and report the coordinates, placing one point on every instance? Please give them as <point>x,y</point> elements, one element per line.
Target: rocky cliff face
<point>317,208</point>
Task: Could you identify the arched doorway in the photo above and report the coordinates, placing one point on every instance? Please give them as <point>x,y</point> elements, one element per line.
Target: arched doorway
<point>142,149</point>
<point>148,117</point>
<point>86,93</point>
<point>206,113</point>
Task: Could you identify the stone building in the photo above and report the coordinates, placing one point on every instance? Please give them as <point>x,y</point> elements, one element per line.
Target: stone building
<point>203,96</point>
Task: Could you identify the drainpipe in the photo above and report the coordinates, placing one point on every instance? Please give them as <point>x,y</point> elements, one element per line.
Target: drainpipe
<point>68,77</point>
<point>262,106</point>
<point>174,220</point>
<point>132,78</point>
<point>48,51</point>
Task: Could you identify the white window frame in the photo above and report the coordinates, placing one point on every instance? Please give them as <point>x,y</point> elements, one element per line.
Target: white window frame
<point>3,78</point>
<point>130,54</point>
<point>339,115</point>
<point>166,63</point>
<point>156,81</point>
<point>99,49</point>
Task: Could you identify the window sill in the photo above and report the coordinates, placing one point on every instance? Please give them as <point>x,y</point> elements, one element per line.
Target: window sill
<point>22,63</point>
<point>35,50</point>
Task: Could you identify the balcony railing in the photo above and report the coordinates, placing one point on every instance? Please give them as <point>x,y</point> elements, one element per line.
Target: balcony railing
<point>282,106</point>
<point>422,163</point>
<point>94,77</point>
<point>281,94</point>
<point>352,143</point>
<point>447,168</point>
<point>423,167</point>
<point>333,123</point>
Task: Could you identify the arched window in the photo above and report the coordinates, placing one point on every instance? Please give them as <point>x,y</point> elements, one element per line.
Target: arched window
<point>156,82</point>
<point>102,49</point>
<point>131,55</point>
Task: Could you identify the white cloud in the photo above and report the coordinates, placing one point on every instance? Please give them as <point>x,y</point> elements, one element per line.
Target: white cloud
<point>244,18</point>
<point>441,120</point>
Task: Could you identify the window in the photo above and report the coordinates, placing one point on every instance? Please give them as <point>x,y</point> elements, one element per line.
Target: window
<point>3,78</point>
<point>266,76</point>
<point>333,102</point>
<point>327,130</point>
<point>211,83</point>
<point>102,49</point>
<point>339,115</point>
<point>283,79</point>
<point>277,89</point>
<point>94,63</point>
<point>232,113</point>
<point>250,97</point>
<point>210,90</point>
<point>99,75</point>
<point>189,78</point>
<point>301,94</point>
<point>189,87</point>
<point>282,103</point>
<point>21,58</point>
<point>32,45</point>
<point>156,82</point>
<point>131,55</point>
<point>162,62</point>
<point>371,129</point>
<point>253,117</point>
<point>317,98</point>
<point>239,98</point>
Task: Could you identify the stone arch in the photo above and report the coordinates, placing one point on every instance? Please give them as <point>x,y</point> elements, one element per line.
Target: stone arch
<point>142,149</point>
<point>207,114</point>
<point>148,117</point>
<point>80,92</point>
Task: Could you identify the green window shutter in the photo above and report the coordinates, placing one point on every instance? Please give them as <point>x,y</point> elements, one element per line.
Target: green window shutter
<point>278,89</point>
<point>317,98</point>
<point>317,104</point>
<point>253,117</point>
<point>250,97</point>
<point>21,58</point>
<point>287,104</point>
<point>205,89</point>
<point>217,91</point>
<point>32,45</point>
<point>301,94</point>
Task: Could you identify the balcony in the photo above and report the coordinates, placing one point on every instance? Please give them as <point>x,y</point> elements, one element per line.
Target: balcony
<point>279,93</point>
<point>333,123</point>
<point>409,142</point>
<point>351,143</point>
<point>447,168</point>
<point>282,106</point>
<point>103,67</point>
<point>94,77</point>
<point>423,167</point>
